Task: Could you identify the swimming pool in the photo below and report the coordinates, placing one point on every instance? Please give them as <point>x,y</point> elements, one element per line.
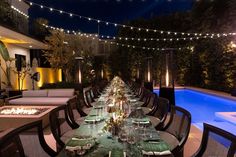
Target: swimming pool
<point>203,106</point>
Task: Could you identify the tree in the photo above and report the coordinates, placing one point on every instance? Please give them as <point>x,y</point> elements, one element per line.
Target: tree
<point>38,29</point>
<point>63,49</point>
<point>209,63</point>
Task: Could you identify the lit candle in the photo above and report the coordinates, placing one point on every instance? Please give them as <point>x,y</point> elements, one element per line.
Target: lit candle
<point>114,115</point>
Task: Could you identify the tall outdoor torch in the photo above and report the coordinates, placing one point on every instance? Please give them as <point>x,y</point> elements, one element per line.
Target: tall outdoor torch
<point>167,86</point>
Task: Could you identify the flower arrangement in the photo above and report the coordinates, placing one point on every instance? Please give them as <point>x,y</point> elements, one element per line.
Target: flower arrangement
<point>113,124</point>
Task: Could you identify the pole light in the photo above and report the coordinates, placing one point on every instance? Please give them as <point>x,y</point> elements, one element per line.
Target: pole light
<point>148,75</point>
<point>167,85</point>
<point>79,70</point>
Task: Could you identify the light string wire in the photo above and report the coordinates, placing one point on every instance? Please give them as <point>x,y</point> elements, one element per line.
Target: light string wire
<point>128,26</point>
<point>134,39</point>
<point>96,37</point>
<point>101,40</point>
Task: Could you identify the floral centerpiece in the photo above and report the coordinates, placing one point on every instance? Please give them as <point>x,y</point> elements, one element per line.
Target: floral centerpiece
<point>116,106</point>
<point>113,124</point>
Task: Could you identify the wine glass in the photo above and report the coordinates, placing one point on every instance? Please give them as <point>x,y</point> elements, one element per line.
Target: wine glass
<point>131,139</point>
<point>81,151</point>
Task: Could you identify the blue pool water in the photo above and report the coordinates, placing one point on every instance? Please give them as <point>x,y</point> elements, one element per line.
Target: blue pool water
<point>203,106</point>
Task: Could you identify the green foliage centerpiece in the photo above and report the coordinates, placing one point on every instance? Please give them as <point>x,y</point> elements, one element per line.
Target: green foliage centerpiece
<point>114,123</point>
<point>116,108</point>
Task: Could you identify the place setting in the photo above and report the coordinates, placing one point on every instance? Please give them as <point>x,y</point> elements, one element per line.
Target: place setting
<point>80,145</point>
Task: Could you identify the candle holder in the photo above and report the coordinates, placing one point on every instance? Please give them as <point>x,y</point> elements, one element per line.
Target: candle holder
<point>167,89</point>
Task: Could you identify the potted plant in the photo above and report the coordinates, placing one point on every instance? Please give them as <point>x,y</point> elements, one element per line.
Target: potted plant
<point>8,63</point>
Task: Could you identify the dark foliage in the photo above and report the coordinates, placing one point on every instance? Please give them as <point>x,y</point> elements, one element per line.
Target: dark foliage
<point>207,63</point>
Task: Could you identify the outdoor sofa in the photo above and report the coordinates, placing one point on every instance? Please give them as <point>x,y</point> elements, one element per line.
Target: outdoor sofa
<point>47,97</point>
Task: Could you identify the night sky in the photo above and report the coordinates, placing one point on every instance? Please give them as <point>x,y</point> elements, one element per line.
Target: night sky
<point>117,11</point>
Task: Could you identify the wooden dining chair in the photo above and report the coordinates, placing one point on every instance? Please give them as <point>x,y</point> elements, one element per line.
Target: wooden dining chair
<point>151,104</point>
<point>147,97</point>
<point>26,141</point>
<point>95,92</point>
<point>75,114</point>
<point>143,94</point>
<point>61,126</point>
<point>216,142</point>
<point>158,118</point>
<point>81,105</point>
<point>178,128</point>
<point>88,98</point>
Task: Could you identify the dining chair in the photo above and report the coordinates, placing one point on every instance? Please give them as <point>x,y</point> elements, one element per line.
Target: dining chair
<point>143,94</point>
<point>95,92</point>
<point>176,131</point>
<point>158,118</point>
<point>146,98</point>
<point>91,94</point>
<point>88,98</point>
<point>138,93</point>
<point>61,126</point>
<point>216,142</point>
<point>81,105</point>
<point>151,105</point>
<point>26,141</point>
<point>74,114</point>
<point>83,108</point>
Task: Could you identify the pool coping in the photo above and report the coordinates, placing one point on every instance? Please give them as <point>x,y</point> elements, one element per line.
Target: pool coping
<point>207,91</point>
<point>213,92</point>
<point>227,116</point>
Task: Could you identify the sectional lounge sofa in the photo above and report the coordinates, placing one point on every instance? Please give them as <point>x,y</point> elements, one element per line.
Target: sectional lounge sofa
<point>48,97</point>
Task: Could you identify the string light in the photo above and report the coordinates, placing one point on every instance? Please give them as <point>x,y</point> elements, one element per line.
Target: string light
<point>92,36</point>
<point>141,39</point>
<point>132,27</point>
<point>115,43</point>
<point>20,12</point>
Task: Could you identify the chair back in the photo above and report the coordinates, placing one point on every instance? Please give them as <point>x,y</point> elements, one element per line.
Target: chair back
<point>87,98</point>
<point>147,98</point>
<point>152,98</point>
<point>27,140</point>
<point>95,92</point>
<point>143,94</point>
<point>60,124</point>
<point>216,142</point>
<point>73,112</point>
<point>81,104</point>
<point>162,110</point>
<point>92,96</point>
<point>138,91</point>
<point>179,126</point>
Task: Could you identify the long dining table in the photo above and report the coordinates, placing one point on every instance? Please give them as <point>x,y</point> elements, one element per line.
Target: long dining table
<point>136,136</point>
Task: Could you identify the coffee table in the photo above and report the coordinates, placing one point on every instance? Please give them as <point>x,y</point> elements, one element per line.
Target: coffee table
<point>18,115</point>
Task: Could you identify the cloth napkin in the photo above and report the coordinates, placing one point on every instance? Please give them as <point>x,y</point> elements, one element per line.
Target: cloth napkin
<point>90,119</point>
<point>117,153</point>
<point>155,148</point>
<point>76,144</point>
<point>141,120</point>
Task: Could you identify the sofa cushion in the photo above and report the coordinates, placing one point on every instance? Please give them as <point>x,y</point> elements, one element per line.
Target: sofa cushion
<point>39,101</point>
<point>61,92</point>
<point>35,93</point>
